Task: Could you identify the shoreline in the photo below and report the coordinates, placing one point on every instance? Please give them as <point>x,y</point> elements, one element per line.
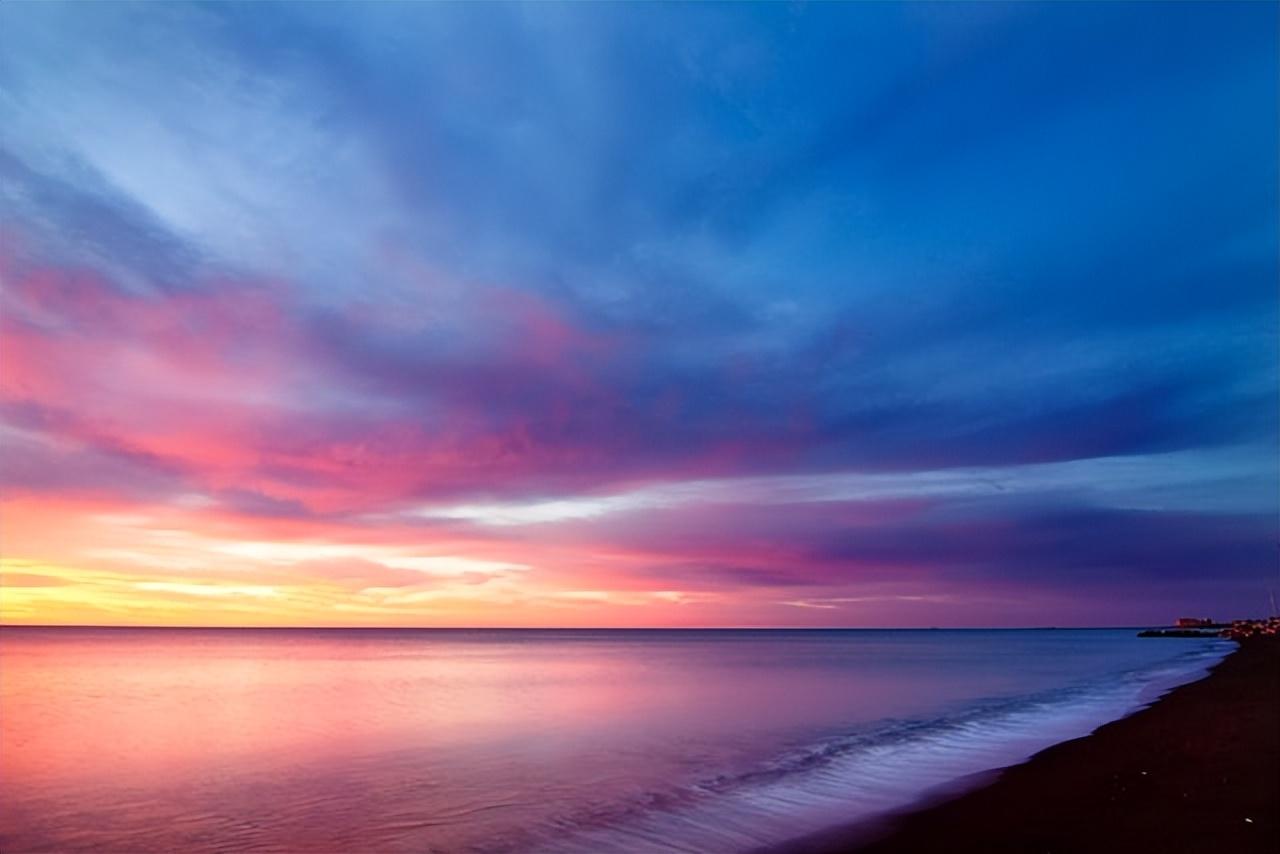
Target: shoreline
<point>1197,769</point>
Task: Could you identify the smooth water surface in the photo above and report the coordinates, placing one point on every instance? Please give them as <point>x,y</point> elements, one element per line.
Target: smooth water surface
<point>502,741</point>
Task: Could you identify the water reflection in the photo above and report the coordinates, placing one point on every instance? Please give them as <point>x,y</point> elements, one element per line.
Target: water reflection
<point>442,741</point>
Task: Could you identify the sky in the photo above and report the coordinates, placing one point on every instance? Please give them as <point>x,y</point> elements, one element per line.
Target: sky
<point>638,314</point>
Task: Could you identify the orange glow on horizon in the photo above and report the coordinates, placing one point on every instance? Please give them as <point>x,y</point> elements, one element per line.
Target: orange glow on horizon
<point>84,563</point>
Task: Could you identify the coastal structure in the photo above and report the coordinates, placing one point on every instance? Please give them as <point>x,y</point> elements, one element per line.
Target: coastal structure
<point>1249,629</point>
<point>1268,627</point>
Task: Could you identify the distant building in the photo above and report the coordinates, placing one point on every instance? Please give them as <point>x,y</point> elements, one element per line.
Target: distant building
<point>1249,629</point>
<point>1193,623</point>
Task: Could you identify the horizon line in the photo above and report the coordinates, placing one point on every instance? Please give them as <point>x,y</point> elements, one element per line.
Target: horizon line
<point>585,628</point>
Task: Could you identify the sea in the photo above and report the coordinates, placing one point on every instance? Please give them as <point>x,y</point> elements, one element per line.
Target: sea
<point>497,741</point>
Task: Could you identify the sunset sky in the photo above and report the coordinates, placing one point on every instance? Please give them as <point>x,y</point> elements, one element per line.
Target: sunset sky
<point>638,315</point>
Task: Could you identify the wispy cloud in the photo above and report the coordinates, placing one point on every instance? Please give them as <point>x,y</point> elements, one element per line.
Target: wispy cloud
<point>637,313</point>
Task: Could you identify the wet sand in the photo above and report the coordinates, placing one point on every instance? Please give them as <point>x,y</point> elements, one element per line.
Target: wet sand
<point>1199,770</point>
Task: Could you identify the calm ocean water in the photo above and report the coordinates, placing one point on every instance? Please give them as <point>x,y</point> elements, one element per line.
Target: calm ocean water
<point>527,741</point>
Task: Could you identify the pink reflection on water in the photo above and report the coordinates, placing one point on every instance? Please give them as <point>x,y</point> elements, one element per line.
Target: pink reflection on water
<point>138,740</point>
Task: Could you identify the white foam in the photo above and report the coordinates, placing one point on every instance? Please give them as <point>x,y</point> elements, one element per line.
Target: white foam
<point>856,778</point>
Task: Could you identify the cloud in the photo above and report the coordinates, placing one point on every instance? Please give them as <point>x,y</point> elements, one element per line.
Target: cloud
<point>28,579</point>
<point>357,574</point>
<point>641,300</point>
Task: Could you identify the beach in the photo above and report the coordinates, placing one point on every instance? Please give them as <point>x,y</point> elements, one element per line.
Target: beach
<point>1197,770</point>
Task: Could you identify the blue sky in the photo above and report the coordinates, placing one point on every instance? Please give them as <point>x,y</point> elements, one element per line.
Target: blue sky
<point>965,313</point>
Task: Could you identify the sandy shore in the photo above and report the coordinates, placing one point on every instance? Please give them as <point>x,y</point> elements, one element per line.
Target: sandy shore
<point>1197,771</point>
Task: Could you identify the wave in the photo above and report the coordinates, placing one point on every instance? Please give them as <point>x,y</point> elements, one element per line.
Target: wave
<point>848,777</point>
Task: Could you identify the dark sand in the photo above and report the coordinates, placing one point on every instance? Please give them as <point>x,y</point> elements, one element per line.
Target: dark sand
<point>1197,771</point>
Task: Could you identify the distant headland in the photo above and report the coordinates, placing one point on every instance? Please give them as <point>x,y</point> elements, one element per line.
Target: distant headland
<point>1195,627</point>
